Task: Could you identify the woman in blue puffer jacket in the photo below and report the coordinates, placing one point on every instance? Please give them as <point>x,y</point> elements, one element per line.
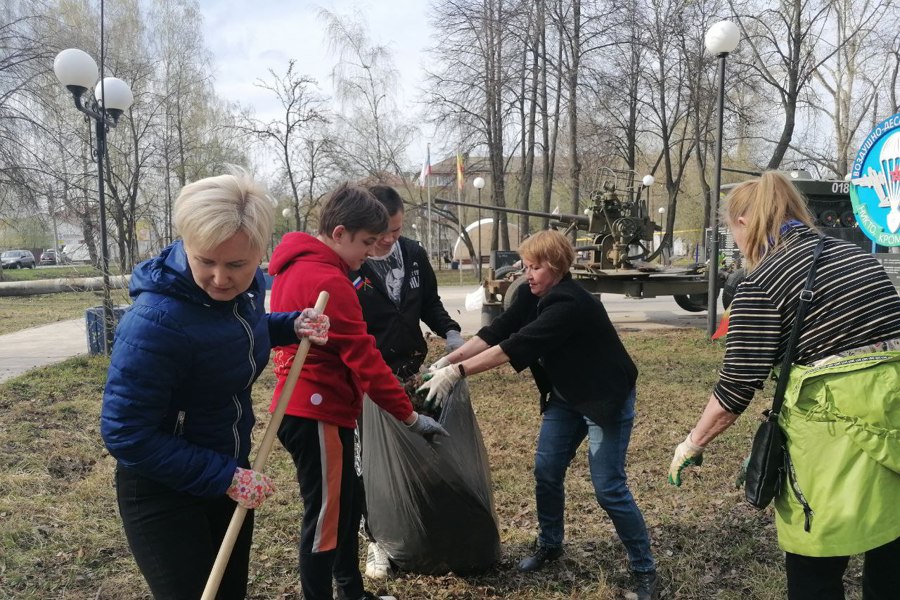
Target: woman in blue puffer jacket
<point>177,412</point>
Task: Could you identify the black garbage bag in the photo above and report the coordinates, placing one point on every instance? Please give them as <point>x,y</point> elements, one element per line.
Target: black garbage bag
<point>430,504</point>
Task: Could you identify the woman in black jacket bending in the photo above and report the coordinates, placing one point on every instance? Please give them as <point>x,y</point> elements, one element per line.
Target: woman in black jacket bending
<point>587,385</point>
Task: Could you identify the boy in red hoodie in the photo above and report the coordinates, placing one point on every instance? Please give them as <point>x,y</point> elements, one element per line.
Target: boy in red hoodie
<point>318,425</point>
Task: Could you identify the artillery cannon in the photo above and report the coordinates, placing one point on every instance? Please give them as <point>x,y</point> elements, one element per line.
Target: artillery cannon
<point>621,229</point>
<point>617,261</point>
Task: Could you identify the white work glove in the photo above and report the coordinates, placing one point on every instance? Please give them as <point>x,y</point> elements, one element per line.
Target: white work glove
<point>687,453</point>
<point>454,340</point>
<point>438,384</point>
<point>439,364</point>
<point>427,427</point>
<point>250,488</point>
<point>310,324</point>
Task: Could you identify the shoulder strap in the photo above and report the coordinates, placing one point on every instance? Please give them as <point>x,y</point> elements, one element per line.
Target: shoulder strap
<point>806,296</point>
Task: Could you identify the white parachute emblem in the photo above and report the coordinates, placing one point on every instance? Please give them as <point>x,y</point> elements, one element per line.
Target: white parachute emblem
<point>890,175</point>
<point>886,183</point>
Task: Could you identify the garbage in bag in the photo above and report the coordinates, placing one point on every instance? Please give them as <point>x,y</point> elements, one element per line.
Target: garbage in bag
<point>430,505</point>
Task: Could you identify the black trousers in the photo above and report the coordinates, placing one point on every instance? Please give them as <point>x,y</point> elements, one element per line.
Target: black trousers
<point>818,578</point>
<point>324,455</point>
<point>175,537</point>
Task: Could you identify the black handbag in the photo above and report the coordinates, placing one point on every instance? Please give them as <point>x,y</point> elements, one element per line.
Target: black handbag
<point>768,464</point>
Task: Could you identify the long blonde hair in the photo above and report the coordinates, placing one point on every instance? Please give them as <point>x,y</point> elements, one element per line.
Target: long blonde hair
<point>766,204</point>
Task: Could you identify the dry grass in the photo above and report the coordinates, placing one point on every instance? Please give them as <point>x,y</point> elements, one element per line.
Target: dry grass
<point>55,272</point>
<point>60,536</point>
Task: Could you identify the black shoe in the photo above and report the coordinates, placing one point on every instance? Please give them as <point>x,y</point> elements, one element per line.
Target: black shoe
<point>540,558</point>
<point>645,585</point>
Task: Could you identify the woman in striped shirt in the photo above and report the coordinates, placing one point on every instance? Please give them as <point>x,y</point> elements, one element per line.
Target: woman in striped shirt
<point>855,310</point>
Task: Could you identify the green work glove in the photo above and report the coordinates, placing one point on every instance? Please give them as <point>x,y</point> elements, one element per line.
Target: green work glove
<point>687,453</point>
<point>438,384</point>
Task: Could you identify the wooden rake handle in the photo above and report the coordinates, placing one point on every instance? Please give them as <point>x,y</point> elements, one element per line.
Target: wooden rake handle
<point>237,520</point>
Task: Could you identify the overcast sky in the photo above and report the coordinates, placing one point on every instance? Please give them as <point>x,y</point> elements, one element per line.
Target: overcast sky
<point>249,38</point>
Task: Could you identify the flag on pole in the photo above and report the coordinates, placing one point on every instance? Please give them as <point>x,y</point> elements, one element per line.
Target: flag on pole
<point>426,169</point>
<point>460,172</point>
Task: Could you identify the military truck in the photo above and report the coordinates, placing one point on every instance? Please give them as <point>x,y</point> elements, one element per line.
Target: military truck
<point>830,203</point>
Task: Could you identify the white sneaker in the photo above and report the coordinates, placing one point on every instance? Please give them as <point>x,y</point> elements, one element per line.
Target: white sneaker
<point>378,565</point>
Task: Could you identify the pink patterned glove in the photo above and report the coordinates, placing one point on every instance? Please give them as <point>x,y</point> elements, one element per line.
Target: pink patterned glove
<point>310,324</point>
<point>250,488</point>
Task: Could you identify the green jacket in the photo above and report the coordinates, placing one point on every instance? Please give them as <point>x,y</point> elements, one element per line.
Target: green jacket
<point>842,423</point>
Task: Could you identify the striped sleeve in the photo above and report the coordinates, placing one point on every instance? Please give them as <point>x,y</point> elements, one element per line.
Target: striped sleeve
<point>754,336</point>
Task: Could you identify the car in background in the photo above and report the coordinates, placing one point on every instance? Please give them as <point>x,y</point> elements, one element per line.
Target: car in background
<point>50,257</point>
<point>17,259</point>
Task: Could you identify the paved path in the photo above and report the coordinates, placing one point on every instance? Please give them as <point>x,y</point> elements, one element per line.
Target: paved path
<point>628,314</point>
<point>40,346</point>
<point>48,344</point>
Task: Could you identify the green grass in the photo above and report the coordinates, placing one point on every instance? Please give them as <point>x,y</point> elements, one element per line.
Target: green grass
<point>22,312</point>
<point>60,536</point>
<point>447,276</point>
<point>55,272</point>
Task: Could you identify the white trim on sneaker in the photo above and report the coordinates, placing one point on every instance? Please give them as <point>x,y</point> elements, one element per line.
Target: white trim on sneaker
<point>378,564</point>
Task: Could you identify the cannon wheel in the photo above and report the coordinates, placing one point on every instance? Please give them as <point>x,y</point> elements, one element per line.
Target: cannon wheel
<point>510,295</point>
<point>504,271</point>
<point>693,302</point>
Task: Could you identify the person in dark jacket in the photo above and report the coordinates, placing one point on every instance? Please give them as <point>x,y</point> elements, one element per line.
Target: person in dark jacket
<point>397,289</point>
<point>587,383</point>
<point>176,412</point>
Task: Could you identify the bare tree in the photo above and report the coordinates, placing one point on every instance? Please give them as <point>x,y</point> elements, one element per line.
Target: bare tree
<point>669,99</point>
<point>549,117</point>
<point>302,107</point>
<point>783,41</point>
<point>22,56</point>
<point>468,91</point>
<point>370,134</point>
<point>850,79</point>
<point>183,84</point>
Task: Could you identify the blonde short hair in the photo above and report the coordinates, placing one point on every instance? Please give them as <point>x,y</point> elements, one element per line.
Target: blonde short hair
<point>550,247</point>
<point>766,204</point>
<point>211,210</point>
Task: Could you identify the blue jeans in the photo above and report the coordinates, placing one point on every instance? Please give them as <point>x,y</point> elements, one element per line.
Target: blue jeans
<point>562,431</point>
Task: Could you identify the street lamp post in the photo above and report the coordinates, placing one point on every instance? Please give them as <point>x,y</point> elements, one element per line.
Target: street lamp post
<point>478,182</point>
<point>721,39</point>
<point>77,71</point>
<point>662,239</point>
<point>647,181</point>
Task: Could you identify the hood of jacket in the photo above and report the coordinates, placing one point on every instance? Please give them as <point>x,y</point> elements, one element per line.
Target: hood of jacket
<point>169,274</point>
<point>302,246</point>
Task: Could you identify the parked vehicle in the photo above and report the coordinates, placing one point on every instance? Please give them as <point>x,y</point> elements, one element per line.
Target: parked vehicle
<point>76,253</point>
<point>49,257</point>
<point>830,203</point>
<point>17,259</point>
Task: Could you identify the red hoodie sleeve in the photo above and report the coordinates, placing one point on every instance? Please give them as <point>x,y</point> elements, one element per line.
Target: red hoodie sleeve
<point>348,335</point>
